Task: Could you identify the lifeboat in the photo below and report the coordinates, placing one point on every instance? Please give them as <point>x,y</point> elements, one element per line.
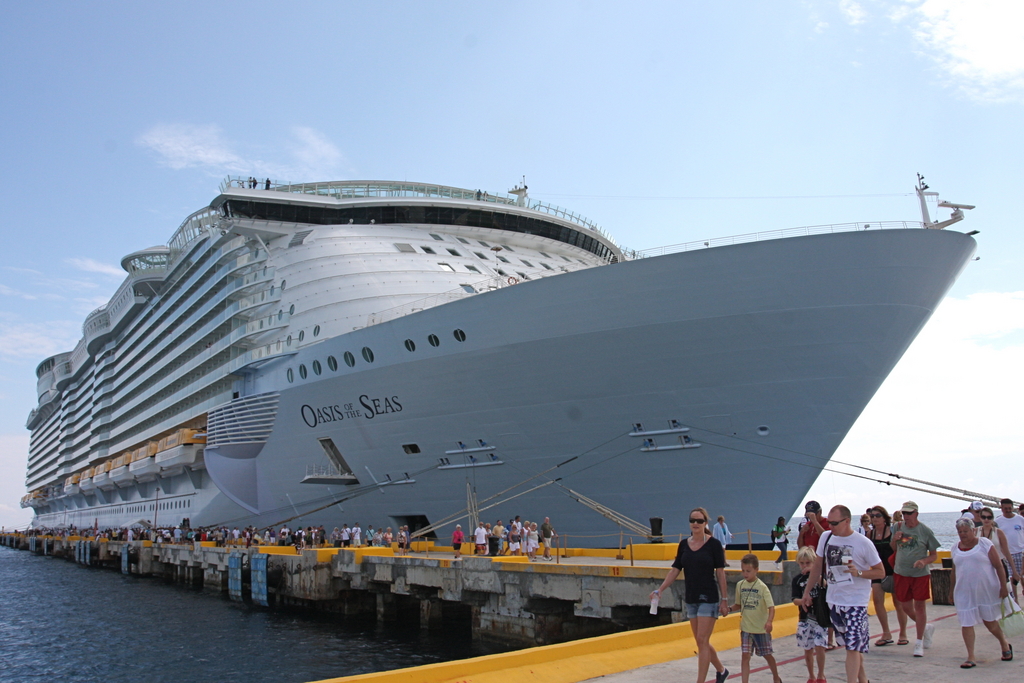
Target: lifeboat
<point>101,477</point>
<point>144,465</point>
<point>86,484</point>
<point>119,473</point>
<point>71,485</point>
<point>180,449</point>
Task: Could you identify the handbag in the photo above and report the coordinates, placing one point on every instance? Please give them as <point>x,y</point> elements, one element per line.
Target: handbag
<point>887,584</point>
<point>1012,623</point>
<point>822,612</point>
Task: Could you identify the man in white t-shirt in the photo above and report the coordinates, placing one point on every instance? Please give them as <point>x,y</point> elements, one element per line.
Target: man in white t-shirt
<point>357,535</point>
<point>849,562</point>
<point>480,539</point>
<point>1012,526</point>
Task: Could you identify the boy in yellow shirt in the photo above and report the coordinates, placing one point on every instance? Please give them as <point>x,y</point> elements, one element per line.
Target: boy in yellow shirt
<point>754,598</point>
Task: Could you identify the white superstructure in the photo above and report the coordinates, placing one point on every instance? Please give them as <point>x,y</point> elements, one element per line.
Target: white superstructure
<point>294,345</point>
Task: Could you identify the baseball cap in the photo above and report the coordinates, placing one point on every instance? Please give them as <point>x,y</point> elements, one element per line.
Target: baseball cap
<point>812,506</point>
<point>909,506</point>
<point>977,505</point>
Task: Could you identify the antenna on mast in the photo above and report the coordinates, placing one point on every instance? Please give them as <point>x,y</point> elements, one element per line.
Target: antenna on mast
<point>955,217</point>
<point>520,192</point>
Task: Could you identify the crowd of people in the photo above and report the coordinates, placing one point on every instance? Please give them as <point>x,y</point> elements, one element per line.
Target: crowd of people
<point>844,565</point>
<point>518,538</point>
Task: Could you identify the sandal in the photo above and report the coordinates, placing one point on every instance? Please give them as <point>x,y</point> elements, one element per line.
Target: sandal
<point>1008,654</point>
<point>903,641</point>
<point>831,646</point>
<point>968,665</point>
<point>884,641</point>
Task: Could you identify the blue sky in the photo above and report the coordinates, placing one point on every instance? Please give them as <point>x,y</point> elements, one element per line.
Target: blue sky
<point>665,122</point>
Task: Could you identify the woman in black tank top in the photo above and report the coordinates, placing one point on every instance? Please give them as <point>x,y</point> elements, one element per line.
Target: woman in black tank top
<point>881,536</point>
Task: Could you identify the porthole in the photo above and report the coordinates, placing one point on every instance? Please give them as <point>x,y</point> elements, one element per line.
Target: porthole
<point>332,363</point>
<point>460,335</point>
<point>288,341</point>
<point>302,335</point>
<point>367,354</point>
<point>316,331</point>
<point>434,341</point>
<point>291,376</point>
<point>763,430</point>
<point>291,310</point>
<point>350,360</point>
<point>410,345</point>
<point>280,314</point>
<point>283,283</point>
<point>302,371</point>
<point>317,369</point>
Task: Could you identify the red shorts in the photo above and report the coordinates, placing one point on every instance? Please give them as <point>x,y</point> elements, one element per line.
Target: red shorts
<point>907,588</point>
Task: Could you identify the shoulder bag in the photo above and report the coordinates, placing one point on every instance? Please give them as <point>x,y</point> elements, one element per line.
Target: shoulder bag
<point>1012,622</point>
<point>822,613</point>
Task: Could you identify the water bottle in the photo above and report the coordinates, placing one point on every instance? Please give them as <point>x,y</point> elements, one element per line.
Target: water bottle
<point>654,603</point>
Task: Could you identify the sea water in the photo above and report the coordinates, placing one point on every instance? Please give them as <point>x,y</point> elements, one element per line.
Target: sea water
<point>942,525</point>
<point>60,621</point>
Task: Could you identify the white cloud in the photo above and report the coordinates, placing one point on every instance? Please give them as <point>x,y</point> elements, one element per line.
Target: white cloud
<point>36,341</point>
<point>946,413</point>
<point>978,44</point>
<point>10,291</point>
<point>308,155</point>
<point>91,266</point>
<point>853,12</point>
<point>13,459</point>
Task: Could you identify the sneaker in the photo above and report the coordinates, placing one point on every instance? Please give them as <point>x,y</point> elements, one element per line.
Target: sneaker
<point>929,633</point>
<point>720,676</point>
<point>919,648</point>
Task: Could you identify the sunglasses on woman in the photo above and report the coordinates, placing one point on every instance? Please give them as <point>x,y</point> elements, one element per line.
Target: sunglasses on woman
<point>694,520</point>
<point>987,517</point>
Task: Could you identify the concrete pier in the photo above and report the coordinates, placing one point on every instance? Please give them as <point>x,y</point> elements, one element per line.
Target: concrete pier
<point>502,598</point>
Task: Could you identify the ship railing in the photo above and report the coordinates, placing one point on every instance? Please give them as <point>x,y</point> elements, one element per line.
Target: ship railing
<point>362,190</point>
<point>775,235</point>
<point>325,471</point>
<point>467,290</point>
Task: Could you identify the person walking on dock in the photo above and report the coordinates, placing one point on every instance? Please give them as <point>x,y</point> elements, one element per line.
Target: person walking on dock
<point>881,536</point>
<point>916,547</point>
<point>457,539</point>
<point>754,601</point>
<point>815,526</point>
<point>978,585</point>
<point>548,533</point>
<point>1013,526</point>
<point>701,558</point>
<point>721,532</point>
<point>780,534</point>
<point>849,562</point>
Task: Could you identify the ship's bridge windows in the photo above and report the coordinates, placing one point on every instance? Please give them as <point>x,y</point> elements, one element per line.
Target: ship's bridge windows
<point>522,276</point>
<point>454,252</point>
<point>546,266</point>
<point>367,354</point>
<point>508,248</point>
<point>543,254</point>
<point>459,335</point>
<point>410,345</point>
<point>464,241</point>
<point>332,363</point>
<point>317,368</point>
<point>428,250</point>
<point>502,272</point>
<point>484,244</point>
<point>480,256</point>
<point>316,330</point>
<point>436,237</point>
<point>434,341</point>
<point>469,289</point>
<point>502,258</point>
<point>526,263</point>
<point>445,266</point>
<point>473,269</point>
<point>405,248</point>
<point>566,259</point>
<point>350,360</point>
<point>291,376</point>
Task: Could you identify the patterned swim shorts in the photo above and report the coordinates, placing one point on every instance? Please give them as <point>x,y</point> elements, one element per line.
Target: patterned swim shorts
<point>1018,562</point>
<point>851,625</point>
<point>809,635</point>
<point>758,643</point>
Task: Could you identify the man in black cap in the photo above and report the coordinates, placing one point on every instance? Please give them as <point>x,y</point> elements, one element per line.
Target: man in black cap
<point>815,526</point>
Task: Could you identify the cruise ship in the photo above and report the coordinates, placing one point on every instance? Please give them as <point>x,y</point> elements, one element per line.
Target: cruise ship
<point>395,353</point>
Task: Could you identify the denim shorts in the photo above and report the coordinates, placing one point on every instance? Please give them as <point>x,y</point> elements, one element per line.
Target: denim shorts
<point>701,609</point>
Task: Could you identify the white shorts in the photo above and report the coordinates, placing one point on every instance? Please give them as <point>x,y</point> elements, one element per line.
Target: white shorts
<point>809,635</point>
<point>513,546</point>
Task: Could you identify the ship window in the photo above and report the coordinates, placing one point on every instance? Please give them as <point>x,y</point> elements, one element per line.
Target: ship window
<point>407,248</point>
<point>302,335</point>
<point>464,241</point>
<point>546,265</point>
<point>468,289</point>
<point>502,259</point>
<point>567,259</point>
<point>434,341</point>
<point>280,314</point>
<point>454,252</point>
<point>288,341</point>
<point>473,269</point>
<point>445,266</point>
<point>302,371</point>
<point>484,244</point>
<point>526,263</point>
<point>428,250</point>
<point>436,237</point>
<point>332,363</point>
<point>480,256</point>
<point>460,335</point>
<point>367,354</point>
<point>291,310</point>
<point>543,254</point>
<point>283,283</point>
<point>317,369</point>
<point>508,248</point>
<point>316,329</point>
<point>410,345</point>
<point>291,376</point>
<point>350,360</point>
<point>522,275</point>
<point>410,448</point>
<point>502,272</point>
